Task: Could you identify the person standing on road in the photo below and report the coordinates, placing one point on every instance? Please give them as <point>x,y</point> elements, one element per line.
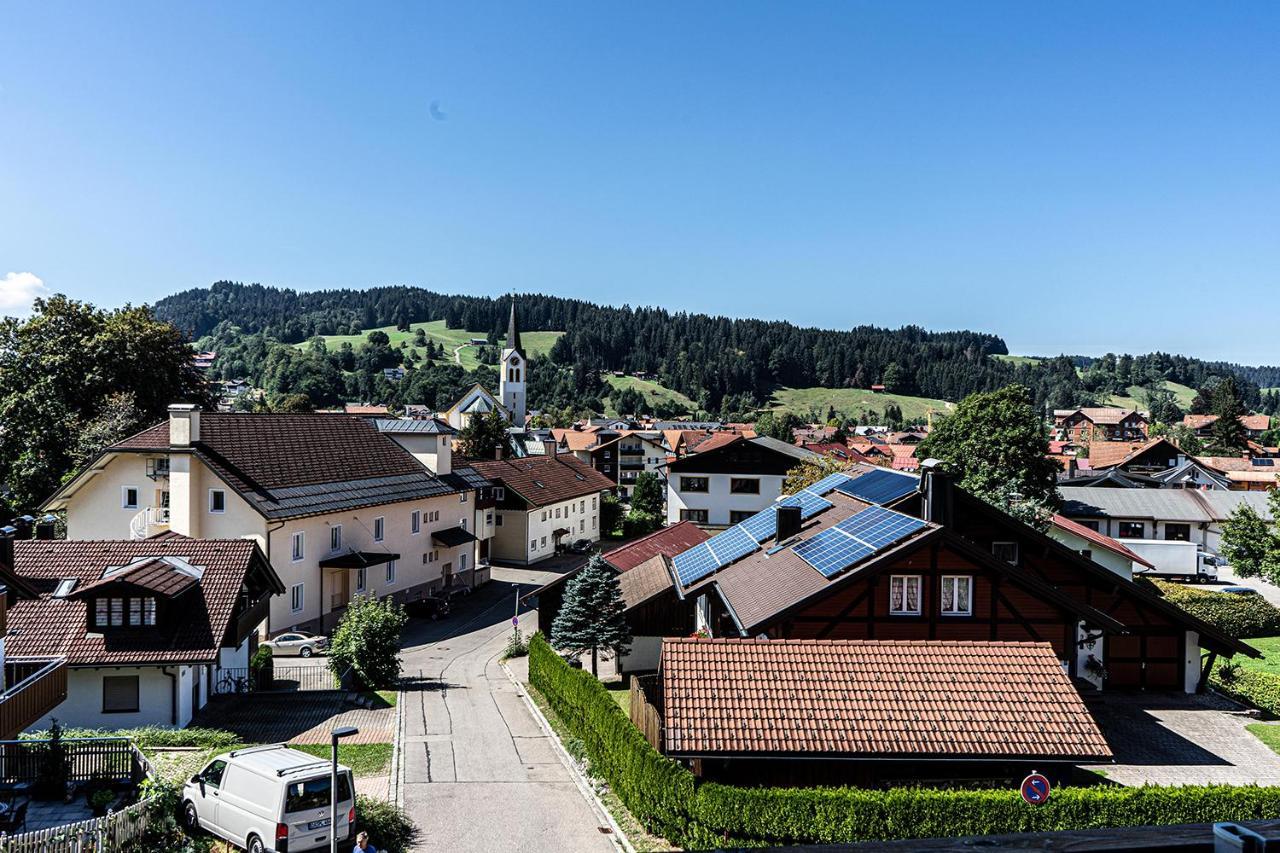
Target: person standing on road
<point>363,845</point>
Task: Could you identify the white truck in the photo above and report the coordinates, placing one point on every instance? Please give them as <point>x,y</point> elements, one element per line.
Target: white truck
<point>1174,560</point>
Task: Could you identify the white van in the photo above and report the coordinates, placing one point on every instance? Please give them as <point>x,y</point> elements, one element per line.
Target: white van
<point>268,798</point>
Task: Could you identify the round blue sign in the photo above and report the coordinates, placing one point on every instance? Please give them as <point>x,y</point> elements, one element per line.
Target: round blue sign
<point>1035,789</point>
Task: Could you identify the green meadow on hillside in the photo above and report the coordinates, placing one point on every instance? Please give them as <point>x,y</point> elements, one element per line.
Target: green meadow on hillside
<point>533,342</point>
<point>854,401</point>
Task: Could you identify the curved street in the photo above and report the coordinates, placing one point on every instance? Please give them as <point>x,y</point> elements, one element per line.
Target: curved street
<point>477,771</point>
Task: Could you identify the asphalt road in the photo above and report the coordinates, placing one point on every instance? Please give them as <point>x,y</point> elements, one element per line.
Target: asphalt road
<point>1269,591</point>
<point>479,774</point>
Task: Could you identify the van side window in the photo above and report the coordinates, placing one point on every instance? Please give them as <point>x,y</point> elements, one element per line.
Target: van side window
<point>212,774</point>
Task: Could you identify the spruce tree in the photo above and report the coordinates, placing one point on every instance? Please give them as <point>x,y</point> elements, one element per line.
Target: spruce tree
<point>592,614</point>
<point>1226,435</point>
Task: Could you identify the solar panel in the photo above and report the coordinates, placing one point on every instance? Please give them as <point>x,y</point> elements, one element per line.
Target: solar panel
<point>828,483</point>
<point>763,525</point>
<point>809,503</point>
<point>694,564</point>
<point>731,545</point>
<point>831,552</point>
<point>879,527</point>
<point>878,487</point>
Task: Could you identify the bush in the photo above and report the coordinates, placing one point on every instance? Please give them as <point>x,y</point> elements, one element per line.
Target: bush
<point>639,523</point>
<point>1250,686</point>
<point>366,643</point>
<point>517,646</point>
<point>390,830</point>
<point>1240,616</point>
<point>154,736</point>
<point>669,801</point>
<point>261,658</point>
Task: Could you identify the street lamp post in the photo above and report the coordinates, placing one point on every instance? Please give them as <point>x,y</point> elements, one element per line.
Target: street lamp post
<point>334,736</point>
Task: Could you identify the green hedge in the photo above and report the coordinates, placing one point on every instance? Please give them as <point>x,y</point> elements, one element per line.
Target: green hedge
<point>155,736</point>
<point>669,801</point>
<point>1240,616</point>
<point>1250,686</point>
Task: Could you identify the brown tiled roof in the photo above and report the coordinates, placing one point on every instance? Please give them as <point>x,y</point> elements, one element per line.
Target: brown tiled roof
<point>1107,416</point>
<point>702,442</point>
<point>59,626</point>
<point>1107,454</point>
<point>294,465</point>
<point>669,541</point>
<point>644,581</point>
<point>156,575</point>
<point>1250,422</point>
<point>1227,464</point>
<point>875,699</point>
<point>543,480</point>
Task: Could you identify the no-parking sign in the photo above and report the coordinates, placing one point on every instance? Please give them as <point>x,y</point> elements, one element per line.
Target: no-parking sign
<point>1035,789</point>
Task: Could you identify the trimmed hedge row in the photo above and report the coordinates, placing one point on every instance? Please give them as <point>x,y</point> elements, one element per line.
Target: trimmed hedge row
<point>1259,689</point>
<point>669,801</point>
<point>1241,616</point>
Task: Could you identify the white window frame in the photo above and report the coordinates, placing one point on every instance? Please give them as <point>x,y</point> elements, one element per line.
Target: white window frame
<point>124,497</point>
<point>222,492</point>
<point>415,522</point>
<point>362,579</point>
<point>379,528</point>
<point>297,597</point>
<point>1016,552</point>
<point>949,608</point>
<point>462,562</point>
<point>905,580</point>
<point>298,546</point>
<point>499,493</point>
<point>391,572</point>
<point>335,538</point>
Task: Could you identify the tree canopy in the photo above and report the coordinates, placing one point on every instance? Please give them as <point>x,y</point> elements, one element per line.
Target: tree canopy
<point>592,614</point>
<point>1250,542</point>
<point>484,435</point>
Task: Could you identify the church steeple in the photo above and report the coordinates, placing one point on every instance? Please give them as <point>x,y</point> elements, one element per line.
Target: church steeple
<point>513,331</point>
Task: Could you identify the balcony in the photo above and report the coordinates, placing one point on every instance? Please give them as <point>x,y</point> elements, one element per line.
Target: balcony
<point>35,686</point>
<point>149,522</point>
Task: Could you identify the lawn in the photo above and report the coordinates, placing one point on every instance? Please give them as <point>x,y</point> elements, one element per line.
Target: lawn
<point>1270,660</point>
<point>364,759</point>
<point>853,401</point>
<point>533,342</point>
<point>1019,359</point>
<point>652,392</point>
<point>1268,733</point>
<point>1136,396</point>
<point>621,694</point>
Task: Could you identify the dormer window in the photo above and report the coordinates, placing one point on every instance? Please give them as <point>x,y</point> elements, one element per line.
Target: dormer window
<point>119,612</point>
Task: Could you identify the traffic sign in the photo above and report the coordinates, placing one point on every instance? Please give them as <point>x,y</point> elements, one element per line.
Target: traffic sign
<point>1035,789</point>
<point>515,620</point>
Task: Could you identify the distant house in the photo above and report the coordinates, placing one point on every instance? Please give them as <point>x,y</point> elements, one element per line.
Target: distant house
<point>543,503</point>
<point>1156,464</point>
<point>878,389</point>
<point>1091,544</point>
<point>148,628</point>
<point>393,374</point>
<point>203,360</point>
<point>1187,515</point>
<point>1100,424</point>
<point>366,410</point>
<point>728,478</point>
<point>1202,425</point>
<point>596,446</point>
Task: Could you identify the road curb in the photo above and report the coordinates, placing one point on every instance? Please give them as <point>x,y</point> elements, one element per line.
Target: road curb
<point>395,790</point>
<point>618,837</point>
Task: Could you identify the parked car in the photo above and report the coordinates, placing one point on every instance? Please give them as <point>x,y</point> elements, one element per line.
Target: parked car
<point>297,644</point>
<point>268,798</point>
<point>431,607</point>
<point>580,546</point>
<point>1239,590</point>
<point>455,591</point>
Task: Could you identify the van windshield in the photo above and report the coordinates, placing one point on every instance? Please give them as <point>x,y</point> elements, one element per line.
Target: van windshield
<point>314,793</point>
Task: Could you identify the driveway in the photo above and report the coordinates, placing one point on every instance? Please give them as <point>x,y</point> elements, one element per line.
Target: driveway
<point>1176,739</point>
<point>1269,591</point>
<point>478,773</point>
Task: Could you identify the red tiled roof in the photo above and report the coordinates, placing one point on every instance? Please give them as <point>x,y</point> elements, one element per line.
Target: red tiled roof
<point>841,452</point>
<point>668,541</point>
<point>1061,521</point>
<point>543,480</point>
<point>873,698</point>
<point>59,626</point>
<point>1250,422</point>
<point>1108,454</point>
<point>702,442</point>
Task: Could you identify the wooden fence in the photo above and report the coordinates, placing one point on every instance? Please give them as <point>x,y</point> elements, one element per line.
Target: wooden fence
<point>644,714</point>
<point>98,835</point>
<point>85,759</point>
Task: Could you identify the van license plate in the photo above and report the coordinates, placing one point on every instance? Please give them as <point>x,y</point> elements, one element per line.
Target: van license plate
<point>318,824</point>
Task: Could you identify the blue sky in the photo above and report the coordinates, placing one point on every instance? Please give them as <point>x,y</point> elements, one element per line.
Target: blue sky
<point>1075,177</point>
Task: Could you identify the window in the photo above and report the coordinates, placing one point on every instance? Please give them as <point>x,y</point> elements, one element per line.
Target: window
<point>379,527</point>
<point>119,694</point>
<point>593,521</point>
<point>593,503</point>
<point>1087,553</point>
<point>415,522</point>
<point>1132,529</point>
<point>299,546</point>
<point>433,516</point>
<point>296,597</point>
<point>557,512</point>
<point>697,516</point>
<point>488,517</point>
<point>544,515</point>
<point>544,541</point>
<point>957,595</point>
<point>744,486</point>
<point>737,516</point>
<point>1177,532</point>
<point>499,493</point>
<point>608,454</point>
<point>142,611</point>
<point>1092,525</point>
<point>335,537</point>
<point>212,775</point>
<point>462,562</point>
<point>217,500</point>
<point>582,505</point>
<point>391,572</point>
<point>462,498</point>
<point>314,793</point>
<point>533,544</point>
<point>128,497</point>
<point>582,525</point>
<point>904,595</point>
<point>497,522</point>
<point>361,579</point>
<point>693,484</point>
<point>1006,552</point>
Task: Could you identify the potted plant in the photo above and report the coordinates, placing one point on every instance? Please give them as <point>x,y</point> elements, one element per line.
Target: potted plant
<point>100,799</point>
<point>262,667</point>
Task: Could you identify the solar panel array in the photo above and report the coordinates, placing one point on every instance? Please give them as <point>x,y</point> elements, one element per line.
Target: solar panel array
<point>809,503</point>
<point>856,538</point>
<point>877,487</point>
<point>763,525</point>
<point>828,483</point>
<point>694,564</point>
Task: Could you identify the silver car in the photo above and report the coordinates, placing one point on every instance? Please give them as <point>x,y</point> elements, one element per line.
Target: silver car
<point>297,644</point>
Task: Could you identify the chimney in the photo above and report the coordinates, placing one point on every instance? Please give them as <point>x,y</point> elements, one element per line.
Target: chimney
<point>788,521</point>
<point>184,424</point>
<point>1072,468</point>
<point>497,452</point>
<point>936,486</point>
<point>25,526</point>
<point>6,551</point>
<point>46,527</point>
<point>553,447</point>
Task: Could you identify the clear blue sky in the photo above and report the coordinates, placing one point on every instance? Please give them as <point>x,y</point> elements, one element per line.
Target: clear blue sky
<point>1073,176</point>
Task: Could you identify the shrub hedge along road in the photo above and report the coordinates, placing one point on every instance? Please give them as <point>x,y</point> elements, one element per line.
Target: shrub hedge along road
<point>1242,616</point>
<point>667,799</point>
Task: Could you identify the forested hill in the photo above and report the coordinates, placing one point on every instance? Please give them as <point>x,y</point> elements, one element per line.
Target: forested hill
<point>717,361</point>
